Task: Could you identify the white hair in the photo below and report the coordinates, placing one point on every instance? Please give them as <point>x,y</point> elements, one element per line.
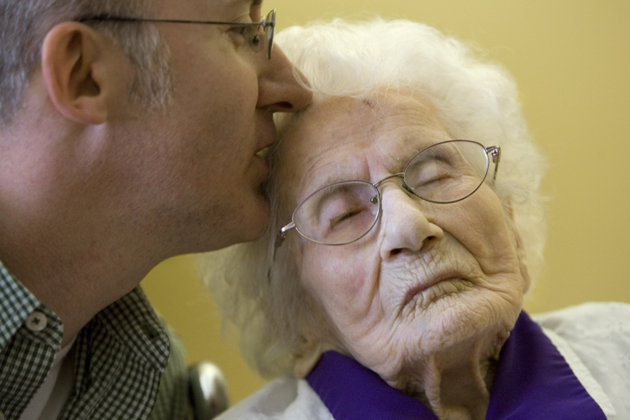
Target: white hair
<point>475,100</point>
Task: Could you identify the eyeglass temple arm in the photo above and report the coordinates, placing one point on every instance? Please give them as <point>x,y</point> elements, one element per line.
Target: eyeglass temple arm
<point>495,153</point>
<point>114,18</point>
<point>282,235</point>
<point>286,228</point>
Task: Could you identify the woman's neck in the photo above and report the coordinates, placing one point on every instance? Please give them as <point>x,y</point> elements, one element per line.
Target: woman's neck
<point>455,383</point>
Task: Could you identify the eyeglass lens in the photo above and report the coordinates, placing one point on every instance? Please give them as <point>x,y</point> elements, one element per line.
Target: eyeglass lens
<point>344,212</point>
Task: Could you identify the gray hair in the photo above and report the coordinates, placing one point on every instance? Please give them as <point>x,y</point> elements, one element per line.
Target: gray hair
<point>474,99</point>
<point>25,23</point>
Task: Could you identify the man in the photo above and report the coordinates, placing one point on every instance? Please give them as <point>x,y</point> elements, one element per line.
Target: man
<point>122,142</point>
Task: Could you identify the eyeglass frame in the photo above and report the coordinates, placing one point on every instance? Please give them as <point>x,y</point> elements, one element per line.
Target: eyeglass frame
<point>493,153</point>
<point>268,22</point>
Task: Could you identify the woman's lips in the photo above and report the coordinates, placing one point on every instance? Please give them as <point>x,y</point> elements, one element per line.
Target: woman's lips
<point>422,287</point>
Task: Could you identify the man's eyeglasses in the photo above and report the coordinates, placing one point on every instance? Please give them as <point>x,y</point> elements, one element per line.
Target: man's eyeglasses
<point>259,34</point>
<point>344,212</point>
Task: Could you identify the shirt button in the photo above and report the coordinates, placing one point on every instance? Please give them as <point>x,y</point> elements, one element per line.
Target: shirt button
<point>37,322</point>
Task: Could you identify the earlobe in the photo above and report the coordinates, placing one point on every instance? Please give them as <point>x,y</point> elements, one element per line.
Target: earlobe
<point>70,62</point>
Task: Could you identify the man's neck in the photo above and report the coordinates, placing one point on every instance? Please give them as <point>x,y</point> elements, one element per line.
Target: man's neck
<point>74,282</point>
<point>68,230</point>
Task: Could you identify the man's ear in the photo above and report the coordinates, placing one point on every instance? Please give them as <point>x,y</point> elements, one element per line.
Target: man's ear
<point>74,70</point>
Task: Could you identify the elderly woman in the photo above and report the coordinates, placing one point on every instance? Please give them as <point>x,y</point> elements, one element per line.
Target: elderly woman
<point>407,226</point>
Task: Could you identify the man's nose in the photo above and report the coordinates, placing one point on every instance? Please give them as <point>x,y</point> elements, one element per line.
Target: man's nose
<point>279,89</point>
<point>404,224</point>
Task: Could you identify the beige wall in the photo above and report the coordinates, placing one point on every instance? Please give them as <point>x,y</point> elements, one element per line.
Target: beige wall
<point>571,59</point>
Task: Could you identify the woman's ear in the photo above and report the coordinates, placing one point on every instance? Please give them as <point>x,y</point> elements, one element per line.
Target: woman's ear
<point>76,73</point>
<point>310,353</point>
<point>518,243</point>
<point>317,336</point>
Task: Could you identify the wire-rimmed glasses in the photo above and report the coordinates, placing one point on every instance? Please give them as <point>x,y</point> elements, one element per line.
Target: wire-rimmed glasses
<point>344,212</point>
<point>260,34</point>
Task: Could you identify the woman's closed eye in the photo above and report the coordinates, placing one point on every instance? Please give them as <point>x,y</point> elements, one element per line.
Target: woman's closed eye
<point>339,208</point>
<point>345,216</point>
<point>432,173</point>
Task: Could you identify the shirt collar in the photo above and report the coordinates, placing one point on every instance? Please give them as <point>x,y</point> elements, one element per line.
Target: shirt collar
<point>131,319</point>
<point>16,304</point>
<point>532,381</point>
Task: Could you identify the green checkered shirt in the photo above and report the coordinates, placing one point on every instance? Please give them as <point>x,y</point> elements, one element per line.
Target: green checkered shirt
<point>122,366</point>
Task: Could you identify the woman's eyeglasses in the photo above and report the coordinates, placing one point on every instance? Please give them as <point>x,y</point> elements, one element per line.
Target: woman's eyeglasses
<point>344,212</point>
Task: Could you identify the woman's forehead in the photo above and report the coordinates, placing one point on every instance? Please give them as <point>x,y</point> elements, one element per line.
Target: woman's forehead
<point>390,122</point>
<point>355,138</point>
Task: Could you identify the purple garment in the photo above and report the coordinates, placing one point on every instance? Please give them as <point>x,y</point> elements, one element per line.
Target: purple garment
<point>533,381</point>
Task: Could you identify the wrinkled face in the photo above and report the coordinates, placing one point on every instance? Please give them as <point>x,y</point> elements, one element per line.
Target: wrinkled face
<point>195,167</point>
<point>428,277</point>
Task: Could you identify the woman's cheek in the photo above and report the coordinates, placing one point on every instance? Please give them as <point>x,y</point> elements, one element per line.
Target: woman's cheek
<point>479,224</point>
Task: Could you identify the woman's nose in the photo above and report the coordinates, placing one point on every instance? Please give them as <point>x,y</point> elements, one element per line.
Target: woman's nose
<point>278,87</point>
<point>404,224</point>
